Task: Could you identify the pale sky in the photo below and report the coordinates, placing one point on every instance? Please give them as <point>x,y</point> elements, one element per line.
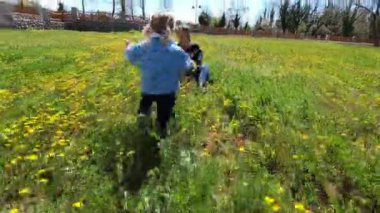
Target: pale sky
<point>182,9</point>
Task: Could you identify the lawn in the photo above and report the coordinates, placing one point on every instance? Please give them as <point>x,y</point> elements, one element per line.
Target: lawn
<point>287,126</point>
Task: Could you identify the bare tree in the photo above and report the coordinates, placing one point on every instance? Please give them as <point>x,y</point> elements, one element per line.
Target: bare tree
<point>349,18</point>
<point>236,21</point>
<point>284,13</point>
<point>313,18</point>
<point>131,8</point>
<point>142,5</point>
<point>374,10</point>
<point>113,7</point>
<point>123,9</point>
<point>83,9</point>
<point>271,16</point>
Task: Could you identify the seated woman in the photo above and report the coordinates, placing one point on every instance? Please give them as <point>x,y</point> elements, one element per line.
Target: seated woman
<point>201,73</point>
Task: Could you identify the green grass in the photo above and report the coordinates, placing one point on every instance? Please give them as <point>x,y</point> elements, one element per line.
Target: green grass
<point>288,125</point>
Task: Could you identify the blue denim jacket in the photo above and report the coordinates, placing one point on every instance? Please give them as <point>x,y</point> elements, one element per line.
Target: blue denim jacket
<point>161,65</point>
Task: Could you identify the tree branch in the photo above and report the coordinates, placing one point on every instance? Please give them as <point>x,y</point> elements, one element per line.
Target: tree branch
<point>357,17</point>
<point>363,7</point>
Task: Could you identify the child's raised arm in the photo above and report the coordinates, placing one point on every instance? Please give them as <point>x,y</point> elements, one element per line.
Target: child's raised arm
<point>133,52</point>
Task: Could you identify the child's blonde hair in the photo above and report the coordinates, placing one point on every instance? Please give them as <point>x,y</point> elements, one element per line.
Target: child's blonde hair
<point>183,35</point>
<point>162,24</point>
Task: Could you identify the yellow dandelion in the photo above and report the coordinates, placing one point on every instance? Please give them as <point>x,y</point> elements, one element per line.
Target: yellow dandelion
<point>43,180</point>
<point>14,211</point>
<point>59,132</point>
<point>20,147</point>
<point>276,207</point>
<point>62,142</point>
<point>241,149</point>
<point>280,190</point>
<point>78,204</point>
<point>295,157</point>
<point>30,130</point>
<point>205,152</point>
<point>61,154</point>
<point>50,154</point>
<point>213,127</point>
<point>307,211</point>
<point>41,171</point>
<point>268,200</point>
<point>299,206</point>
<point>31,157</point>
<point>227,102</point>
<point>24,191</point>
<point>304,136</point>
<point>83,157</point>
<point>14,161</point>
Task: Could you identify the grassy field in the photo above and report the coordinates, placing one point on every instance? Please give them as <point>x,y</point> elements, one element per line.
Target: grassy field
<point>287,126</point>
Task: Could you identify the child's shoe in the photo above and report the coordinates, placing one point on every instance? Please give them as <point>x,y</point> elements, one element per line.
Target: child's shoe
<point>144,122</point>
<point>162,132</point>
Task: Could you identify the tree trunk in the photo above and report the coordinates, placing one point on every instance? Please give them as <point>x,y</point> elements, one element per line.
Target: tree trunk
<point>143,8</point>
<point>132,10</point>
<point>113,7</point>
<point>374,25</point>
<point>375,34</point>
<point>83,9</point>
<point>376,17</point>
<point>122,15</point>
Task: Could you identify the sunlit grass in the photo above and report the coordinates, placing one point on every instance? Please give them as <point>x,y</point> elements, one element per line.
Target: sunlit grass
<point>288,126</point>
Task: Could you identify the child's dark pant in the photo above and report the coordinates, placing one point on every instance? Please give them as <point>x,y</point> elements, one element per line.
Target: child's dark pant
<point>165,105</point>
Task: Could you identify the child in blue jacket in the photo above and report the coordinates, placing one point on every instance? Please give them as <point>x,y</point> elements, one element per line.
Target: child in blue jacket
<point>162,64</point>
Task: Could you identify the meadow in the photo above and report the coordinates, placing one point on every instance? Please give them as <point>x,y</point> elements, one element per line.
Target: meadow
<point>286,126</point>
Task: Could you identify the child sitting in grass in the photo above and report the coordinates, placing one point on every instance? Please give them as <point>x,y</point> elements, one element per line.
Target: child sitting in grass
<point>201,73</point>
<point>162,64</point>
